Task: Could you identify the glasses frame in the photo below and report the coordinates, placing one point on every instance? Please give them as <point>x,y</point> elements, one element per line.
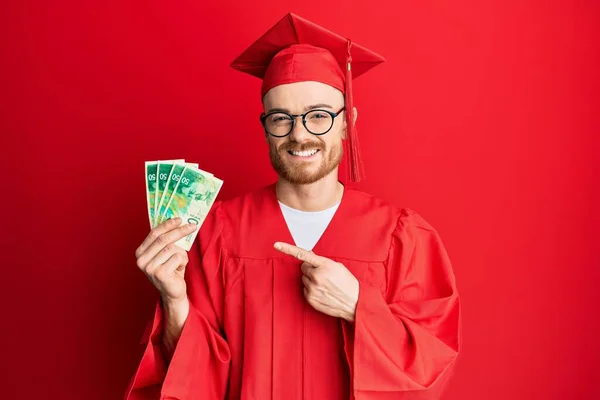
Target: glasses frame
<point>263,119</point>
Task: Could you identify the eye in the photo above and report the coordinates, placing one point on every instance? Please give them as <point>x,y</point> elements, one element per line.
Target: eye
<point>319,115</point>
<point>278,118</point>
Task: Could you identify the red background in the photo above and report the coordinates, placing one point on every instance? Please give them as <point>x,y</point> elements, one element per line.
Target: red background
<point>484,120</point>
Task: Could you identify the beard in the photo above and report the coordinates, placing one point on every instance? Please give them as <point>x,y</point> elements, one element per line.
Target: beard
<point>299,172</point>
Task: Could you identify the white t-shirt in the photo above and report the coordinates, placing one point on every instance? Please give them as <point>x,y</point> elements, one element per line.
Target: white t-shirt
<point>307,227</point>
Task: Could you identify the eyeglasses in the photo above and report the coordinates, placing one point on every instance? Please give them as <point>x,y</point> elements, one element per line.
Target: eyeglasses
<point>317,122</point>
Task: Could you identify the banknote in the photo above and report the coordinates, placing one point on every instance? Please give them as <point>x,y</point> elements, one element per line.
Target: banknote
<point>163,172</point>
<point>170,188</point>
<point>151,168</point>
<point>175,188</point>
<point>191,200</point>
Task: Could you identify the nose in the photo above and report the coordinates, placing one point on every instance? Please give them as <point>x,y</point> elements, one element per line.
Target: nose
<point>299,132</point>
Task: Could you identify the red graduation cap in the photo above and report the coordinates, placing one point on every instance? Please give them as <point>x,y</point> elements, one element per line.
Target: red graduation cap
<point>297,50</point>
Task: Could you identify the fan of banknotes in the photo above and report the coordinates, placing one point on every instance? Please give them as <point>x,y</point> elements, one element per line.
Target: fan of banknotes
<point>175,188</point>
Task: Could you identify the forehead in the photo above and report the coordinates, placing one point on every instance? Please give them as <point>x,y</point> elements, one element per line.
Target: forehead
<point>296,96</point>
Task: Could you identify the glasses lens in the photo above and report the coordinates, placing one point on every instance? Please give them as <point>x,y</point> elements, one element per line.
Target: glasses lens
<point>318,121</point>
<point>278,124</point>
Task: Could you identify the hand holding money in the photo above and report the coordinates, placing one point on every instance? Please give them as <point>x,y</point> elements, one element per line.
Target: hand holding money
<point>178,196</point>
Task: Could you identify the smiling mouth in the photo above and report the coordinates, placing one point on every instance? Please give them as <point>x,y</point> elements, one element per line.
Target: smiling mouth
<point>306,153</point>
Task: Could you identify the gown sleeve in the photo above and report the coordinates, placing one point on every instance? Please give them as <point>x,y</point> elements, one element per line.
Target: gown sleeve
<point>404,341</point>
<point>199,365</point>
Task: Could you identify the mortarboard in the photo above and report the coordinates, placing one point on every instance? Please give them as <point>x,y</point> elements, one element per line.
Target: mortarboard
<point>296,50</point>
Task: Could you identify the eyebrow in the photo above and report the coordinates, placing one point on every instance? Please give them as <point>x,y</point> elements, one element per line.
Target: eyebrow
<point>311,107</point>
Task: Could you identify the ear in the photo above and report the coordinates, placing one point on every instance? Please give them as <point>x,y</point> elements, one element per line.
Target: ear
<point>262,127</point>
<point>344,133</point>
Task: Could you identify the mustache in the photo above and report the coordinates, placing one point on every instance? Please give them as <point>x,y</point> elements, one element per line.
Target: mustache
<point>293,146</point>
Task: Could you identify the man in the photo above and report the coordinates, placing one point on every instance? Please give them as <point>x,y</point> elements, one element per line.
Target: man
<point>363,306</point>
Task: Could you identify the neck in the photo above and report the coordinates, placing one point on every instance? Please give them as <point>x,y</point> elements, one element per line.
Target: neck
<point>316,196</point>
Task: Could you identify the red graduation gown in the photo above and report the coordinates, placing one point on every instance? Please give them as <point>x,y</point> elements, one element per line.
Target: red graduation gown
<point>251,334</point>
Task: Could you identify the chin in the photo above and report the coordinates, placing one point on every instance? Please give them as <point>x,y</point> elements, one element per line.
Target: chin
<point>303,175</point>
<point>300,180</point>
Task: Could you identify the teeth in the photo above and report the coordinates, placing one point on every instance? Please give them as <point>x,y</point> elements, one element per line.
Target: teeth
<point>304,153</point>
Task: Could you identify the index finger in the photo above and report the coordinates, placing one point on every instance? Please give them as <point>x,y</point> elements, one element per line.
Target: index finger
<point>158,230</point>
<point>300,254</point>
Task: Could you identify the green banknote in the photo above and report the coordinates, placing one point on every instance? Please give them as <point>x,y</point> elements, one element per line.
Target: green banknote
<point>151,168</point>
<point>170,188</point>
<point>192,198</point>
<point>164,170</point>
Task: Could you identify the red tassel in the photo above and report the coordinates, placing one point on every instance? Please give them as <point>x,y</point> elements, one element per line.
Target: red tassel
<point>354,159</point>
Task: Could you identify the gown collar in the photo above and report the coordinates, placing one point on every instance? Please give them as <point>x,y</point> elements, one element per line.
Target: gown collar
<point>282,233</point>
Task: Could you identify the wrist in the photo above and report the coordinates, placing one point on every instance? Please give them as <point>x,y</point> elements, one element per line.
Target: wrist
<point>176,312</point>
<point>350,312</point>
<point>349,315</point>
